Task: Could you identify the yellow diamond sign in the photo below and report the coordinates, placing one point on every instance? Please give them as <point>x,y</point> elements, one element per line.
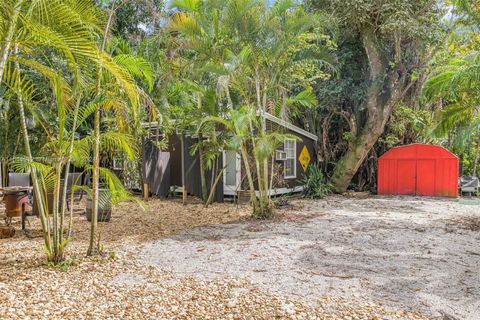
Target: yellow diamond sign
<point>304,158</point>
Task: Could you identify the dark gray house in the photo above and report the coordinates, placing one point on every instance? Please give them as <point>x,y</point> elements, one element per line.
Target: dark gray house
<point>175,169</point>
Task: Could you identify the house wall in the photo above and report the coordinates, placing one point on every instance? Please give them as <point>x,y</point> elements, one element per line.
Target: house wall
<point>279,180</point>
<point>175,149</point>
<point>192,165</point>
<point>158,165</point>
<point>156,168</point>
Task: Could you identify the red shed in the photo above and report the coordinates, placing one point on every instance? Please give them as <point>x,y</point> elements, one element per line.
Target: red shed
<point>418,169</point>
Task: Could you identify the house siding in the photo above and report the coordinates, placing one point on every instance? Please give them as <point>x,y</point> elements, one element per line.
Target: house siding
<point>279,180</point>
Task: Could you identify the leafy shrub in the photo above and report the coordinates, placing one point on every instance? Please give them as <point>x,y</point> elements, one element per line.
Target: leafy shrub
<point>316,184</point>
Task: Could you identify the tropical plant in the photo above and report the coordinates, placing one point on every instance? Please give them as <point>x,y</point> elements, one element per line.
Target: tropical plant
<point>66,31</point>
<point>116,93</point>
<point>392,43</point>
<point>246,136</point>
<point>316,185</point>
<point>453,87</point>
<point>259,59</point>
<point>455,84</point>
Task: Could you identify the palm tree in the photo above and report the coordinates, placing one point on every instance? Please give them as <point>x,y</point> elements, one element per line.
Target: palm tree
<point>255,55</point>
<point>123,101</point>
<point>456,84</point>
<point>68,30</point>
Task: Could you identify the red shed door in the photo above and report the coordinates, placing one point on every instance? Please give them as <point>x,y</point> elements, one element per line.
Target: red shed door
<point>406,172</point>
<point>426,177</point>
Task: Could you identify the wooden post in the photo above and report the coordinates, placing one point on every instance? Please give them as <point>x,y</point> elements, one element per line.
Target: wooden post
<point>184,189</point>
<point>146,191</point>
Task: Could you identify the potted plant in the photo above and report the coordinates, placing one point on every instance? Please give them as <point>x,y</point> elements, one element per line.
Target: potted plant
<point>104,206</point>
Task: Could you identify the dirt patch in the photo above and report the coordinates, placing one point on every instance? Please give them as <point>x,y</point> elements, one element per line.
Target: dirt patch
<point>286,215</point>
<point>471,223</point>
<point>159,218</point>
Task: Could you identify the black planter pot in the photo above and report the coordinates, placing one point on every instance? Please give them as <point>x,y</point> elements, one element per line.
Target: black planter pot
<point>104,209</point>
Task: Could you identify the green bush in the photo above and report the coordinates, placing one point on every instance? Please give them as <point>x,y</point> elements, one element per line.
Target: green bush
<point>316,184</point>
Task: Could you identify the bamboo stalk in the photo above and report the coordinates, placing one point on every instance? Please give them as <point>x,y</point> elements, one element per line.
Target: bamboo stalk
<point>67,172</point>
<point>95,248</point>
<point>36,185</point>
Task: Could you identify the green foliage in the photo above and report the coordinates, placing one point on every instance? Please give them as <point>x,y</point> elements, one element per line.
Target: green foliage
<point>65,265</point>
<point>407,125</point>
<point>453,88</point>
<point>316,184</point>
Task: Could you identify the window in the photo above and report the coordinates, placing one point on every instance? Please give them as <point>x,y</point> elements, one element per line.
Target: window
<point>290,167</point>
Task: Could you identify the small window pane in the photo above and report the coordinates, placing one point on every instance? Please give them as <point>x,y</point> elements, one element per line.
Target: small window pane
<point>289,147</point>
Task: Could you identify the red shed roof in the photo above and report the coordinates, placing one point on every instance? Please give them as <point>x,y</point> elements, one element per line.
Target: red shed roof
<point>418,151</point>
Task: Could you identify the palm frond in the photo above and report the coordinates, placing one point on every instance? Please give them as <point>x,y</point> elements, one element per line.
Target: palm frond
<point>136,66</point>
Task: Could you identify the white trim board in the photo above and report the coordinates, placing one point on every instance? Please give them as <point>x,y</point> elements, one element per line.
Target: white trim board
<point>290,126</point>
<point>273,192</point>
<point>294,158</point>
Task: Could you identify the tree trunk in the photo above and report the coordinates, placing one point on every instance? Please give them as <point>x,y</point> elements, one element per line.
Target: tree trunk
<point>94,246</point>
<point>36,185</point>
<point>248,171</point>
<point>67,172</point>
<point>357,152</point>
<point>203,180</point>
<point>214,187</point>
<point>35,180</point>
<point>379,109</point>
<point>57,254</point>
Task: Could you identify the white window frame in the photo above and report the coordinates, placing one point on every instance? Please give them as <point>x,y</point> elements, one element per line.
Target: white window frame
<point>294,175</point>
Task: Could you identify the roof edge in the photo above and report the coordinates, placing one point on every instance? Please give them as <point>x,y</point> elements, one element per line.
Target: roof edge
<point>289,125</point>
<point>420,144</point>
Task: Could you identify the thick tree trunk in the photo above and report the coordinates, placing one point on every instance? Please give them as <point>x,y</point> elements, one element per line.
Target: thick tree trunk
<point>379,108</point>
<point>348,165</point>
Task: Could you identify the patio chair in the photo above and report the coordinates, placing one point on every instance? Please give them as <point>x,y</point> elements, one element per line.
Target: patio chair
<point>470,185</point>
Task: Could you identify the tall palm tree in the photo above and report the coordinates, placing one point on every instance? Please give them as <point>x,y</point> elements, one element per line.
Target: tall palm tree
<point>68,31</point>
<point>256,53</point>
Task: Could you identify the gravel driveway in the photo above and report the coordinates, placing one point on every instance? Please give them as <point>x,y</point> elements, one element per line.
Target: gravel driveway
<point>410,253</point>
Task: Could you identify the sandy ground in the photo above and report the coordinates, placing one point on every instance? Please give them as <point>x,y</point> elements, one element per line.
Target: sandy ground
<point>407,253</point>
<point>371,259</point>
